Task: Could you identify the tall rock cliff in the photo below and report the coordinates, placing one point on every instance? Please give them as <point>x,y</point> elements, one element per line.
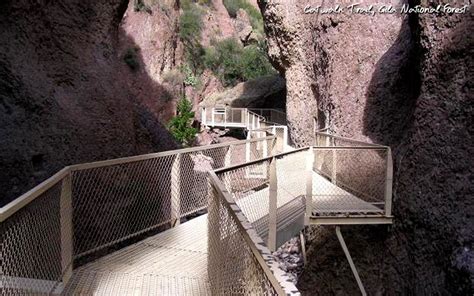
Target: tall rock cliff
<point>64,98</point>
<point>399,80</point>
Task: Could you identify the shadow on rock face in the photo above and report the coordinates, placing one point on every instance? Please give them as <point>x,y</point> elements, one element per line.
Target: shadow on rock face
<point>64,98</point>
<point>418,102</point>
<point>394,89</point>
<point>424,112</point>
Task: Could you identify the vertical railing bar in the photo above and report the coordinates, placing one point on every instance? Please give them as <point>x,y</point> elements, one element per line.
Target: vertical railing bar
<point>67,244</point>
<point>388,184</point>
<point>175,191</point>
<point>225,117</point>
<point>309,185</point>
<point>334,165</point>
<point>272,209</point>
<point>247,147</point>
<point>203,115</point>
<point>213,117</point>
<point>248,119</point>
<point>265,148</point>
<point>285,138</point>
<point>228,156</point>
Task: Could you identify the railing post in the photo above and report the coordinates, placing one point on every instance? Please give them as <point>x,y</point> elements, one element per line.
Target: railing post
<point>248,118</point>
<point>272,209</point>
<point>265,147</point>
<point>334,165</point>
<point>213,117</point>
<point>247,147</point>
<point>67,246</point>
<point>225,116</point>
<point>203,115</point>
<point>388,184</point>
<point>285,138</point>
<point>175,191</point>
<point>309,185</point>
<point>253,121</point>
<point>228,156</point>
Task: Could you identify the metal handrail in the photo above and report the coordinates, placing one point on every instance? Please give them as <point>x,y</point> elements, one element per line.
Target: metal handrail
<point>116,161</point>
<point>18,203</point>
<point>235,203</point>
<point>243,121</point>
<point>280,282</point>
<point>15,205</point>
<point>249,163</point>
<point>388,173</point>
<point>348,139</point>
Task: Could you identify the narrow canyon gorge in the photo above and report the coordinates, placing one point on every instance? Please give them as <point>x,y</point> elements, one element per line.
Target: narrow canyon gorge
<point>400,80</point>
<point>82,81</point>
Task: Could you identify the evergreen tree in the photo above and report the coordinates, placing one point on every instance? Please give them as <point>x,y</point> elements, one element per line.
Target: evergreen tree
<point>180,125</point>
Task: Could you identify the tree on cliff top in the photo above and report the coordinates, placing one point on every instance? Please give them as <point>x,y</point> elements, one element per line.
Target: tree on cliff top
<point>180,125</point>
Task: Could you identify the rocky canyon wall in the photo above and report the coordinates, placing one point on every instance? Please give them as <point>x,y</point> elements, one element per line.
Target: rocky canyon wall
<point>403,81</point>
<point>66,94</point>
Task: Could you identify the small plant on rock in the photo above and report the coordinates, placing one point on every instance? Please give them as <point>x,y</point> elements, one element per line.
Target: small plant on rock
<point>189,78</point>
<point>131,58</point>
<point>180,126</point>
<point>256,19</point>
<point>139,5</point>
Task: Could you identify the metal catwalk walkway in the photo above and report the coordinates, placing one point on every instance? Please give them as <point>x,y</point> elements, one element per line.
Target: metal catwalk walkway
<point>173,262</point>
<point>257,194</point>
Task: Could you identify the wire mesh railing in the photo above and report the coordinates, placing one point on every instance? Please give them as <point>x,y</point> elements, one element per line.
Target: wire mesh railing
<point>122,200</point>
<point>231,117</point>
<point>270,183</point>
<point>239,263</point>
<point>357,168</point>
<point>271,115</point>
<point>255,202</point>
<point>86,208</point>
<point>324,139</point>
<point>352,180</point>
<point>321,181</point>
<point>36,239</point>
<point>281,133</point>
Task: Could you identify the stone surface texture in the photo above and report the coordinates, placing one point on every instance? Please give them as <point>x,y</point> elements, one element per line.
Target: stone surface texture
<point>403,81</point>
<point>66,94</point>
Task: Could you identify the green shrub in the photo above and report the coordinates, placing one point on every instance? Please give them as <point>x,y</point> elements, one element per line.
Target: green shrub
<point>190,28</point>
<point>173,77</point>
<point>255,63</point>
<point>233,63</point>
<point>205,2</point>
<point>139,5</point>
<point>131,58</point>
<point>189,78</point>
<point>254,14</point>
<point>190,22</point>
<point>180,126</point>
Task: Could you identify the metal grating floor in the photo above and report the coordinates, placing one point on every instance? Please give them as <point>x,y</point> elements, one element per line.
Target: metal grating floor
<point>329,198</point>
<point>173,262</point>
